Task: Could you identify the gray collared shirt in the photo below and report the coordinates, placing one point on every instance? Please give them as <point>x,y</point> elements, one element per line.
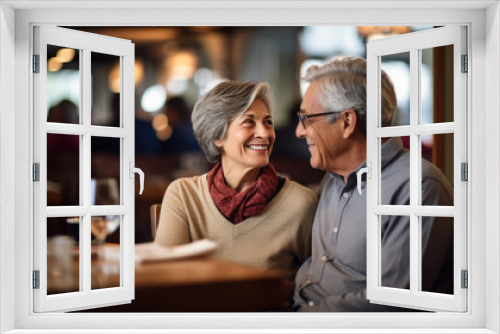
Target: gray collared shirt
<point>334,277</point>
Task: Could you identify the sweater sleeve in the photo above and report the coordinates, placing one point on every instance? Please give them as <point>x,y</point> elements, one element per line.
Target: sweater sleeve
<point>173,226</point>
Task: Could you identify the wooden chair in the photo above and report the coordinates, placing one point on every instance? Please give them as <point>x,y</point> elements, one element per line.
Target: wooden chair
<point>155,218</point>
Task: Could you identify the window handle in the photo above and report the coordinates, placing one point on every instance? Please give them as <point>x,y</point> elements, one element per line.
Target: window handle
<point>141,175</point>
<point>362,171</point>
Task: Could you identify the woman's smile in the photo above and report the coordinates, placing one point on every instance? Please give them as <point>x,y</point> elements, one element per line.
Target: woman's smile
<point>262,148</point>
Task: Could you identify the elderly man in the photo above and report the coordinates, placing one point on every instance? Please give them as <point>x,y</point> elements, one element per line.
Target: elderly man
<point>333,122</point>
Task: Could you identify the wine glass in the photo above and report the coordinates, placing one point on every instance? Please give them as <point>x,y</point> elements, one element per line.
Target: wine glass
<point>104,191</point>
<point>101,267</point>
<point>98,229</point>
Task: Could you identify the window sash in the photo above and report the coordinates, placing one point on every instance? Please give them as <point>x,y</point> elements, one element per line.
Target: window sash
<point>412,43</point>
<point>86,297</point>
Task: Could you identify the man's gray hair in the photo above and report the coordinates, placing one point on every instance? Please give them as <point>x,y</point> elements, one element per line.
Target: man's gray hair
<point>214,111</point>
<point>342,85</point>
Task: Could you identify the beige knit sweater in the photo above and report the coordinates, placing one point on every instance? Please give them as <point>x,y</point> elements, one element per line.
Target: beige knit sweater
<point>279,237</point>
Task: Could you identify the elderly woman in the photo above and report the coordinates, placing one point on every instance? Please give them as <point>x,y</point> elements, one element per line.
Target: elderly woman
<point>255,216</point>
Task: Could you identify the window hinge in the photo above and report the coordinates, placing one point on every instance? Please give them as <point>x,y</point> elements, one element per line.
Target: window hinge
<point>464,167</point>
<point>36,279</point>
<point>465,64</point>
<point>36,172</point>
<point>36,63</point>
<point>465,279</point>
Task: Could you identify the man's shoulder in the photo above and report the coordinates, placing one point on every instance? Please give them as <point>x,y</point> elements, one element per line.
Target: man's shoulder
<point>429,170</point>
<point>433,177</point>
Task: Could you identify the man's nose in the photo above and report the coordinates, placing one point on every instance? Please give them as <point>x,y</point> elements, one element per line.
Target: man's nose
<point>300,131</point>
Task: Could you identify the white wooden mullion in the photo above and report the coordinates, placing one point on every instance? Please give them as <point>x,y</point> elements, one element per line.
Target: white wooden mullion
<point>435,128</point>
<point>85,165</point>
<point>418,253</point>
<point>81,175</point>
<point>373,262</point>
<point>123,176</point>
<point>420,210</point>
<point>68,129</point>
<point>94,210</point>
<point>415,168</point>
<point>109,210</point>
<point>392,131</point>
<point>422,129</point>
<point>108,131</point>
<point>81,130</point>
<point>66,211</point>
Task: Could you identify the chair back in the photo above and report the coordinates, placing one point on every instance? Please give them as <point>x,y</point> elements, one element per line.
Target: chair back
<point>155,218</point>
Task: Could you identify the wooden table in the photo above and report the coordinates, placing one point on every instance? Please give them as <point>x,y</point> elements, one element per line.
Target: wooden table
<point>204,284</point>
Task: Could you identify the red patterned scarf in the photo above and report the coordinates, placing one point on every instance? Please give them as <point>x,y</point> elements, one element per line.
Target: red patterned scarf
<point>236,206</point>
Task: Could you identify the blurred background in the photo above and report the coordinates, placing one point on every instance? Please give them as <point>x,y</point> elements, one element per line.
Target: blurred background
<point>174,66</point>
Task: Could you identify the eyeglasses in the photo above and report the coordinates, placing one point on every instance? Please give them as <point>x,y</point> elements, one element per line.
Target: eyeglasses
<point>303,118</point>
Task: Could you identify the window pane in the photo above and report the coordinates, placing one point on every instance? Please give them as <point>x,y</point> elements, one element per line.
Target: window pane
<point>63,170</point>
<point>395,260</point>
<point>105,89</point>
<point>437,260</point>
<point>63,85</point>
<point>105,171</point>
<point>438,150</point>
<point>63,263</point>
<point>105,264</point>
<point>387,184</point>
<point>397,67</point>
<point>436,91</point>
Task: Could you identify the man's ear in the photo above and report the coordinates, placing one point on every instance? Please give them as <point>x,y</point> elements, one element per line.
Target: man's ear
<point>349,122</point>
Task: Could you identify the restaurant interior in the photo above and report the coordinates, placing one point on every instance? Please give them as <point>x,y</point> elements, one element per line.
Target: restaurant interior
<point>174,66</point>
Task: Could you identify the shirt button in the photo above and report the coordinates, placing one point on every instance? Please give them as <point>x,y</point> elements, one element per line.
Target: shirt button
<point>323,258</point>
<point>311,303</point>
<point>335,230</point>
<point>345,195</point>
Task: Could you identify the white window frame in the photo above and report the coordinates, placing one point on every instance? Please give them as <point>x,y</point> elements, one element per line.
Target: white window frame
<point>412,44</point>
<point>85,44</point>
<point>483,21</point>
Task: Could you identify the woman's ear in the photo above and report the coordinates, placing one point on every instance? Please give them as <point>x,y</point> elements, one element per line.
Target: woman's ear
<point>218,143</point>
<point>349,122</point>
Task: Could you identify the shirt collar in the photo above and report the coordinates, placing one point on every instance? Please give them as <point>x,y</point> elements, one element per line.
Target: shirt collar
<point>390,149</point>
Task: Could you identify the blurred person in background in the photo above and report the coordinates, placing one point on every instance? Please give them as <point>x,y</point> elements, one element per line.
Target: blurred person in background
<point>182,138</point>
<point>287,144</point>
<point>62,157</point>
<point>63,112</point>
<point>333,123</point>
<point>256,217</point>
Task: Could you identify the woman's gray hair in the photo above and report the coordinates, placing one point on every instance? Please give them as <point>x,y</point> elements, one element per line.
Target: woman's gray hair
<point>342,85</point>
<point>214,111</point>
